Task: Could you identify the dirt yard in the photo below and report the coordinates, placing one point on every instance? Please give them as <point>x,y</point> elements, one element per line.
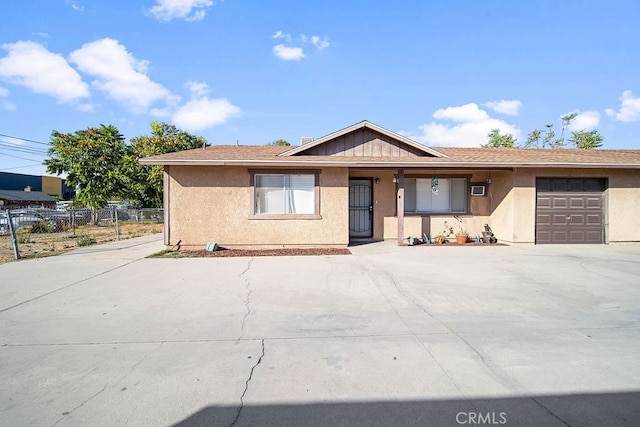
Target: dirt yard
<point>36,245</point>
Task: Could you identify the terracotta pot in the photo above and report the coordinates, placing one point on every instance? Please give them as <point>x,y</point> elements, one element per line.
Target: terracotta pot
<point>461,239</point>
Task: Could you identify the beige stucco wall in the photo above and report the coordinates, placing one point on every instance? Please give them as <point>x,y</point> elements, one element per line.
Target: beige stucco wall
<point>513,194</point>
<point>623,206</point>
<point>52,186</point>
<point>385,219</point>
<point>213,204</point>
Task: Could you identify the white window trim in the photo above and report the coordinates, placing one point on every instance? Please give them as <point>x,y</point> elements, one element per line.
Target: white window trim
<point>449,212</point>
<point>284,216</point>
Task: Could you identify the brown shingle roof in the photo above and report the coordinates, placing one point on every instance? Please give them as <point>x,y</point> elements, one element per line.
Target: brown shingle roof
<point>255,155</point>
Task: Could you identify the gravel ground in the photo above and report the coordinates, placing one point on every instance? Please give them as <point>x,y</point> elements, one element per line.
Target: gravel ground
<point>224,252</point>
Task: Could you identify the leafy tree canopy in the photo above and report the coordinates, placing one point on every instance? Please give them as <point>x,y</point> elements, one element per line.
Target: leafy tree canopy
<point>91,159</point>
<point>280,142</point>
<point>586,139</point>
<point>497,140</point>
<point>547,137</point>
<point>144,183</point>
<point>102,167</point>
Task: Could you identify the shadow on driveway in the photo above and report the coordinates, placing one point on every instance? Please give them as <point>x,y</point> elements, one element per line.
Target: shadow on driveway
<point>601,409</point>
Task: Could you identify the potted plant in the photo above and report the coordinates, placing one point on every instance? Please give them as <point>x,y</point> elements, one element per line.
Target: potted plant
<point>440,239</point>
<point>462,235</point>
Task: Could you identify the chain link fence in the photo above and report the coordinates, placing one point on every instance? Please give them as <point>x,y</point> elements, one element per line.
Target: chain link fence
<point>29,233</point>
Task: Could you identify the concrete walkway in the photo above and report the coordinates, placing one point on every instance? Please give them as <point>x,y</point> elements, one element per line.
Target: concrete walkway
<point>388,336</point>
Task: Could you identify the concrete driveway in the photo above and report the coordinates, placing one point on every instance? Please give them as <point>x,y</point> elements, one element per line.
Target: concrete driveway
<point>546,335</point>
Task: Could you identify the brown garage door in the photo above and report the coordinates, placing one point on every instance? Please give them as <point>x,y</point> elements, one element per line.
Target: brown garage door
<point>569,210</point>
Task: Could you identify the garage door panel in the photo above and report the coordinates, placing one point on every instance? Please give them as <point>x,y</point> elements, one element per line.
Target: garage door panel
<point>577,219</point>
<point>577,202</point>
<point>559,203</point>
<point>594,219</point>
<point>544,202</point>
<point>559,236</point>
<point>559,219</point>
<point>593,202</point>
<point>544,219</point>
<point>569,210</point>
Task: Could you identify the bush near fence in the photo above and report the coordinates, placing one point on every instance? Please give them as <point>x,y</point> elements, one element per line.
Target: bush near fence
<point>42,232</point>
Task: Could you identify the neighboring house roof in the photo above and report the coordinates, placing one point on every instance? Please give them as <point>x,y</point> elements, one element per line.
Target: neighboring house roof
<point>26,196</point>
<point>327,152</point>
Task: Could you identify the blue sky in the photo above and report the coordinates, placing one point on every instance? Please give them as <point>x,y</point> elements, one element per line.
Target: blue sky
<point>443,73</point>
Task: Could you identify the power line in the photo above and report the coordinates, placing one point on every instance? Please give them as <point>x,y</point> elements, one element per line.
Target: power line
<point>24,139</point>
<point>21,167</point>
<point>21,158</point>
<point>30,150</point>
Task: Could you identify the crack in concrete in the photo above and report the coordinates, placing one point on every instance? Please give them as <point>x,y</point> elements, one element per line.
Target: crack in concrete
<point>246,387</point>
<point>81,281</point>
<point>247,301</point>
<point>81,404</point>
<point>549,411</point>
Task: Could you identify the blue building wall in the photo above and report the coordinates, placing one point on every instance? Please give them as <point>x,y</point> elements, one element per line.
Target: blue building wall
<point>17,181</point>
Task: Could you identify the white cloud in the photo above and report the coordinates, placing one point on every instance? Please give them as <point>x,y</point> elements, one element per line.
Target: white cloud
<point>464,113</point>
<point>4,91</point>
<point>29,64</point>
<point>280,35</point>
<point>74,5</point>
<point>629,108</point>
<point>7,106</point>
<point>86,108</point>
<point>294,49</point>
<point>320,43</point>
<point>470,128</point>
<point>288,53</point>
<point>203,113</point>
<point>189,10</point>
<point>510,108</point>
<point>586,120</point>
<point>119,75</point>
<point>198,89</point>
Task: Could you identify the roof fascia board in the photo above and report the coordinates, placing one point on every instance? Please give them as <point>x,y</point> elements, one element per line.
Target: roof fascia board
<point>361,125</point>
<point>377,164</point>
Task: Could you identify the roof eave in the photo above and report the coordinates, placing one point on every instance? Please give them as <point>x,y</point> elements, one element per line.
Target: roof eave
<point>387,164</point>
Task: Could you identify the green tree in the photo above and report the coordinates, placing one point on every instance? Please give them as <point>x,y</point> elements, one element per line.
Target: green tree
<point>91,159</point>
<point>586,139</point>
<point>548,134</point>
<point>280,142</point>
<point>144,184</point>
<point>497,140</point>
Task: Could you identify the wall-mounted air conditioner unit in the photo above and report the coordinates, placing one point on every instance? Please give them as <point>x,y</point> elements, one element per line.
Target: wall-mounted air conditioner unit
<point>478,190</point>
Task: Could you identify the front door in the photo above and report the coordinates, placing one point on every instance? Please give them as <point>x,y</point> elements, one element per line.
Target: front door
<point>360,208</point>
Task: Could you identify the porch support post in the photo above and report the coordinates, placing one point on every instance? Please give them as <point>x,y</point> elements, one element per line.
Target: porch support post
<point>400,207</point>
<point>166,181</point>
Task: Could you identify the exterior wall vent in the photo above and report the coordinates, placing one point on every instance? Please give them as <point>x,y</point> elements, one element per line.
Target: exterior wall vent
<point>306,140</point>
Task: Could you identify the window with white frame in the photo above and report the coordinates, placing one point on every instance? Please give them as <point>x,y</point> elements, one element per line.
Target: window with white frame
<point>435,195</point>
<point>284,194</point>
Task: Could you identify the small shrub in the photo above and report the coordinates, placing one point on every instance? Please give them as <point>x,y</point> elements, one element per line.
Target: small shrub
<point>85,240</point>
<point>24,237</point>
<point>43,227</point>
